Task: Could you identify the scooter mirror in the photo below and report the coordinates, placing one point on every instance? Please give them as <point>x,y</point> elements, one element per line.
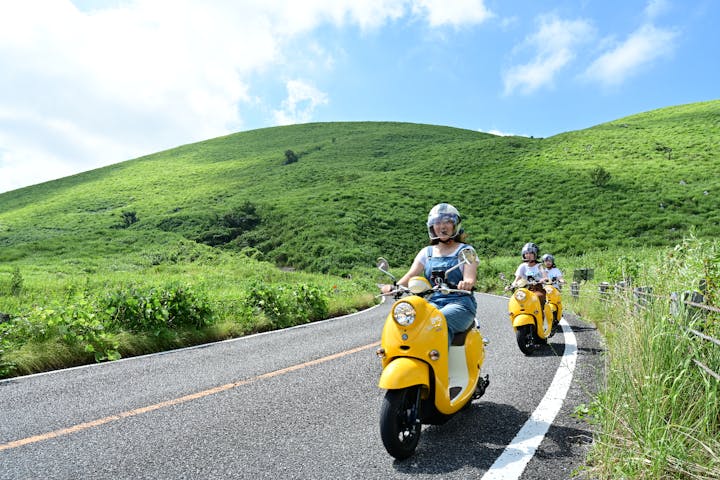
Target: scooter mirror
<point>468,256</point>
<point>383,264</point>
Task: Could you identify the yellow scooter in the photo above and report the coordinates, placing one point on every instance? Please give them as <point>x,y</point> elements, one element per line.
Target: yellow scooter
<point>426,381</point>
<point>532,328</point>
<point>553,299</point>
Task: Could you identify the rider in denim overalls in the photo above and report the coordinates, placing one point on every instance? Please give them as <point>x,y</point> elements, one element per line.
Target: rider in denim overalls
<point>446,239</point>
<point>459,309</point>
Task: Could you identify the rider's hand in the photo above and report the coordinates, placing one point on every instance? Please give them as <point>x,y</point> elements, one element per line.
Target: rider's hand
<point>386,288</point>
<point>464,285</point>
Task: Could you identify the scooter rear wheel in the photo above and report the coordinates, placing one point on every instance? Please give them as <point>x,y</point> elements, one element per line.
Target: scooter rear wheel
<point>525,340</point>
<point>400,422</point>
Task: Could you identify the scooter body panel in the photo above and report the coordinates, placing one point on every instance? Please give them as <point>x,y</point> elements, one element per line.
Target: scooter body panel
<point>403,372</point>
<point>524,308</point>
<point>523,319</point>
<point>465,363</point>
<point>408,352</point>
<point>554,299</point>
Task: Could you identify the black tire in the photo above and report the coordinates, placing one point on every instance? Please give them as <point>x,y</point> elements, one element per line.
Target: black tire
<point>525,339</point>
<point>400,422</point>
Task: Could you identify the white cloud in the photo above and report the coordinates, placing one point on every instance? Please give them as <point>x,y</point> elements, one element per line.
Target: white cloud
<point>454,13</point>
<point>555,44</point>
<point>500,133</point>
<point>300,103</point>
<point>655,8</point>
<point>642,47</point>
<point>127,78</point>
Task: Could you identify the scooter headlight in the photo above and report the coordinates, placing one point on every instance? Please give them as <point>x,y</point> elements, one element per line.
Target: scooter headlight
<point>520,295</point>
<point>404,313</point>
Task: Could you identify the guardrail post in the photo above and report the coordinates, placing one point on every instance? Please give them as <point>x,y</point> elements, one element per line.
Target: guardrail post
<point>674,304</point>
<point>604,290</point>
<point>689,297</point>
<point>575,289</point>
<point>643,296</point>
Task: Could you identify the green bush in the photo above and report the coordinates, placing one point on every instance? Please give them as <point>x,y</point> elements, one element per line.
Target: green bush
<point>599,176</point>
<point>16,282</point>
<point>6,368</point>
<point>287,304</point>
<point>75,324</point>
<point>141,309</point>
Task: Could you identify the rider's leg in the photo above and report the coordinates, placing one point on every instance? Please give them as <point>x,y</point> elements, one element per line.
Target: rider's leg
<point>459,318</point>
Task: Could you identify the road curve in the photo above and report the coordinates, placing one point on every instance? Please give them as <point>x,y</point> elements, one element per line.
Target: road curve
<point>299,403</point>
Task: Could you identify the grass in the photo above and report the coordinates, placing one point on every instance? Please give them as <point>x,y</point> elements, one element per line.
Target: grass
<point>658,415</point>
<point>355,184</point>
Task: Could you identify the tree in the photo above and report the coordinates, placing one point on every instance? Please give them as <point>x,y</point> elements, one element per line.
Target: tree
<point>290,157</point>
<point>599,176</point>
<point>664,149</point>
<point>128,218</point>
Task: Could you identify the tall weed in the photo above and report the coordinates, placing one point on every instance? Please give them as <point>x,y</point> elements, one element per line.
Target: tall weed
<point>659,415</point>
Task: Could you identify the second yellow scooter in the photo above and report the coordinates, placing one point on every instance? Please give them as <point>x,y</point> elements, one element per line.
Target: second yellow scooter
<point>532,328</point>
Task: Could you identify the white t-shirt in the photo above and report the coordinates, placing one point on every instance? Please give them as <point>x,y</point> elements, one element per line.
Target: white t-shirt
<point>422,255</point>
<point>554,273</point>
<point>536,271</point>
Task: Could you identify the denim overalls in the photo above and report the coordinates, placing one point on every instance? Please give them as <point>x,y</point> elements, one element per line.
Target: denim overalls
<point>459,309</point>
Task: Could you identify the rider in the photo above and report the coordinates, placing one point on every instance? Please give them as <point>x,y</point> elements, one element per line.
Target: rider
<point>553,272</point>
<point>531,269</point>
<point>446,242</point>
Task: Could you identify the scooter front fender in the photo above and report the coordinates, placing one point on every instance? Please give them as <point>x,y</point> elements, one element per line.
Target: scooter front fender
<point>524,319</point>
<point>405,372</point>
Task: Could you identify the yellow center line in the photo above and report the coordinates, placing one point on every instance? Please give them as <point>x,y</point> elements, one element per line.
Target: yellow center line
<point>176,401</point>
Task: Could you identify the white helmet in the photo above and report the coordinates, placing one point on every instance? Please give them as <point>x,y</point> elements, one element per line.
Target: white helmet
<point>443,212</point>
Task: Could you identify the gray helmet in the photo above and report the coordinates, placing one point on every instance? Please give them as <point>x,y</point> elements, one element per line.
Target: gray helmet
<point>547,257</point>
<point>530,248</point>
<point>440,213</point>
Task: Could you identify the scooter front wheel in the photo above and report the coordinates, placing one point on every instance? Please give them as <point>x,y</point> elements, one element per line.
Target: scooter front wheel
<point>525,340</point>
<point>400,422</point>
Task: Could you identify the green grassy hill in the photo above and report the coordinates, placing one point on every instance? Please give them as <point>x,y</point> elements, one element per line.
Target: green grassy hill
<point>161,252</point>
<point>358,190</point>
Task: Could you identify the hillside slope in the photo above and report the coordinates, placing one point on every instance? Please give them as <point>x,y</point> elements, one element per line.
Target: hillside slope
<point>331,196</point>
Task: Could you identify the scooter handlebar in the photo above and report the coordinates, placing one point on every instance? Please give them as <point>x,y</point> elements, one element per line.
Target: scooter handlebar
<point>401,289</point>
<point>454,290</point>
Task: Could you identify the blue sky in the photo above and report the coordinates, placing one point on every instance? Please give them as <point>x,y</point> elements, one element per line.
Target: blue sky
<point>87,83</point>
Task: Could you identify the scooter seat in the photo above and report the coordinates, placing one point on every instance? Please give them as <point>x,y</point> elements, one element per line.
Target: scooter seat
<point>459,338</point>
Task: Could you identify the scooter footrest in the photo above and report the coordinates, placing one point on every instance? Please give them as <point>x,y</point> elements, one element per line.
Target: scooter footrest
<point>454,391</point>
<point>481,387</point>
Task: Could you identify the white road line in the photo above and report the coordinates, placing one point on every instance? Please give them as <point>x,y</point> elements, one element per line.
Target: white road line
<point>511,464</point>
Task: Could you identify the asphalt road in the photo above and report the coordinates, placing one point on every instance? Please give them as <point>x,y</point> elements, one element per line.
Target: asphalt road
<point>301,403</point>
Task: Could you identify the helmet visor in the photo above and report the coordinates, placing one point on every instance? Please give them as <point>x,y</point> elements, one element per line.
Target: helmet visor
<point>443,225</point>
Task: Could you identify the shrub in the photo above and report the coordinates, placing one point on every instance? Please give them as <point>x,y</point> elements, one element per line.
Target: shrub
<point>599,176</point>
<point>16,282</point>
<point>6,367</point>
<point>141,309</point>
<point>224,230</point>
<point>290,157</point>
<point>75,324</point>
<point>128,218</point>
<point>287,304</point>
